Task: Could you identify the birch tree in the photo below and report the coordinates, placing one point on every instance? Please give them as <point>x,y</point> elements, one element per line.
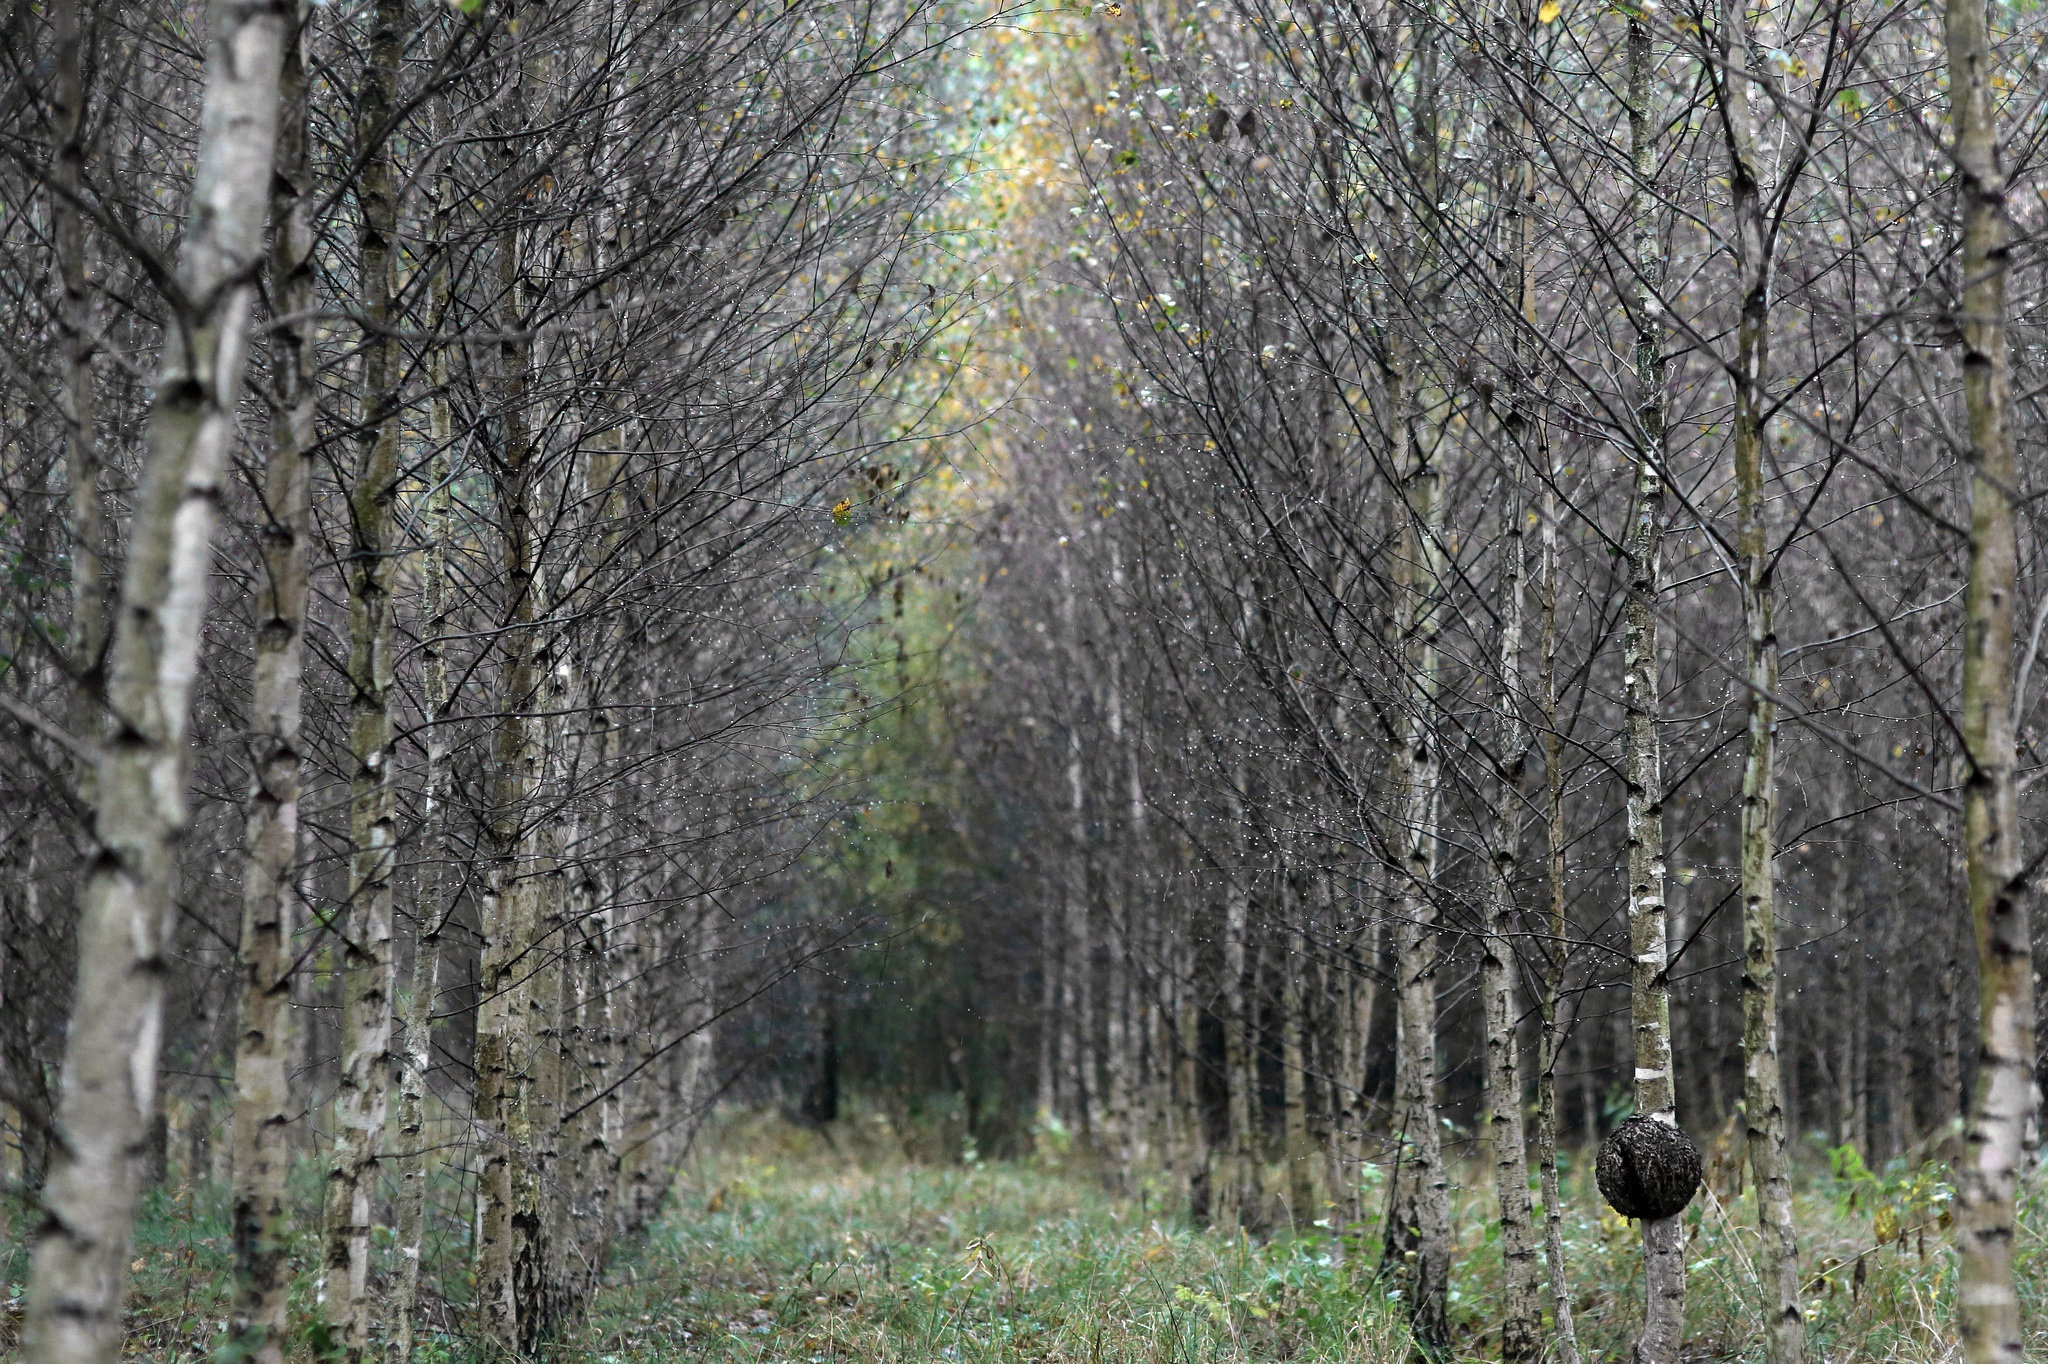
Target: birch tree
<point>2006,1095</point>
<point>108,1098</point>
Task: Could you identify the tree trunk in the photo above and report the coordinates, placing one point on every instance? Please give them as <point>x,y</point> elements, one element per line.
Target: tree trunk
<point>1418,1229</point>
<point>1418,1232</point>
<point>79,1273</point>
<point>81,434</point>
<point>503,1041</point>
<point>1521,1315</point>
<point>1362,997</point>
<point>1650,992</point>
<point>1301,1170</point>
<point>260,1215</point>
<point>1547,1116</point>
<point>1049,1019</point>
<point>1762,1088</point>
<point>2004,1097</point>
<point>362,1091</point>
<point>1120,1032</point>
<point>1077,984</point>
<point>1893,1006</point>
<point>537,1116</point>
<point>1242,1193</point>
<point>1196,1156</point>
<point>642,942</point>
<point>431,912</point>
<point>700,1077</point>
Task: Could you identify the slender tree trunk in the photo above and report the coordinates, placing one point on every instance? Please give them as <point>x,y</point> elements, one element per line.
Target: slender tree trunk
<point>1197,1157</point>
<point>1650,992</point>
<point>700,1082</point>
<point>640,946</point>
<point>537,1118</point>
<point>1141,943</point>
<point>503,1042</point>
<point>1564,1332</point>
<point>1049,1022</point>
<point>1364,998</point>
<point>1077,998</point>
<point>591,1114</point>
<point>1589,1094</point>
<point>605,486</point>
<point>1893,1008</point>
<point>362,1092</point>
<point>1120,1032</point>
<point>1950,1107</point>
<point>260,1216</point>
<point>2004,1098</point>
<point>1521,1314</point>
<point>1762,1088</point>
<point>431,911</point>
<point>1241,1184</point>
<point>1301,1170</point>
<point>1333,984</point>
<point>1419,1231</point>
<point>79,1272</point>
<point>81,435</point>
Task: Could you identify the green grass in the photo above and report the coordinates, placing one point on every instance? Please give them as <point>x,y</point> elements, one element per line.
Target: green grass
<point>781,1247</point>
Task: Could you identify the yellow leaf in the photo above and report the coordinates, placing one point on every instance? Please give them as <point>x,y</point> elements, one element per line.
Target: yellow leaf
<point>1548,14</point>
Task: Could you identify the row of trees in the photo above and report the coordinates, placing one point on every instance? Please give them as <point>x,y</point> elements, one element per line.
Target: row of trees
<point>1511,517</point>
<point>419,825</point>
<point>1517,592</point>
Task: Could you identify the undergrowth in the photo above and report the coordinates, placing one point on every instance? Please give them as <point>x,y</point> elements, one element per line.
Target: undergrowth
<point>782,1245</point>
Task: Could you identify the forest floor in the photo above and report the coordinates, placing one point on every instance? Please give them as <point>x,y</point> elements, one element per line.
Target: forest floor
<point>781,1249</point>
<point>781,1246</point>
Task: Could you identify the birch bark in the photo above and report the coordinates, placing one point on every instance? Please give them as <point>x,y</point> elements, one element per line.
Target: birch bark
<point>2005,1096</point>
<point>503,1042</point>
<point>1643,777</point>
<point>1521,1316</point>
<point>1418,1232</point>
<point>79,1272</point>
<point>362,1092</point>
<point>1564,1331</point>
<point>260,1216</point>
<point>431,911</point>
<point>1762,1088</point>
<point>81,436</point>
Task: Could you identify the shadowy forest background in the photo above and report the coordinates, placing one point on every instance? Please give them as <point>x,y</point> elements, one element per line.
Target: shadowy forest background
<point>1305,608</point>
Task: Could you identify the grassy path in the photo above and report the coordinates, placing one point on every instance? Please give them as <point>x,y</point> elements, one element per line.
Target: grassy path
<point>797,1256</point>
<point>779,1250</point>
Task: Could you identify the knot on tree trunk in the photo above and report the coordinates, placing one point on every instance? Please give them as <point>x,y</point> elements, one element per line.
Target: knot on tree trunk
<point>1648,1169</point>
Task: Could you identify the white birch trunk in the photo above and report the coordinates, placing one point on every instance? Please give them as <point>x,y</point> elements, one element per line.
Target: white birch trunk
<point>108,1100</point>
<point>260,1214</point>
<point>362,1092</point>
<point>2003,1105</point>
<point>1642,761</point>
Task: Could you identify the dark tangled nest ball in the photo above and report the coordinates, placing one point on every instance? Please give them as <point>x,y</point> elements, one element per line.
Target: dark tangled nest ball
<point>1647,1169</point>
